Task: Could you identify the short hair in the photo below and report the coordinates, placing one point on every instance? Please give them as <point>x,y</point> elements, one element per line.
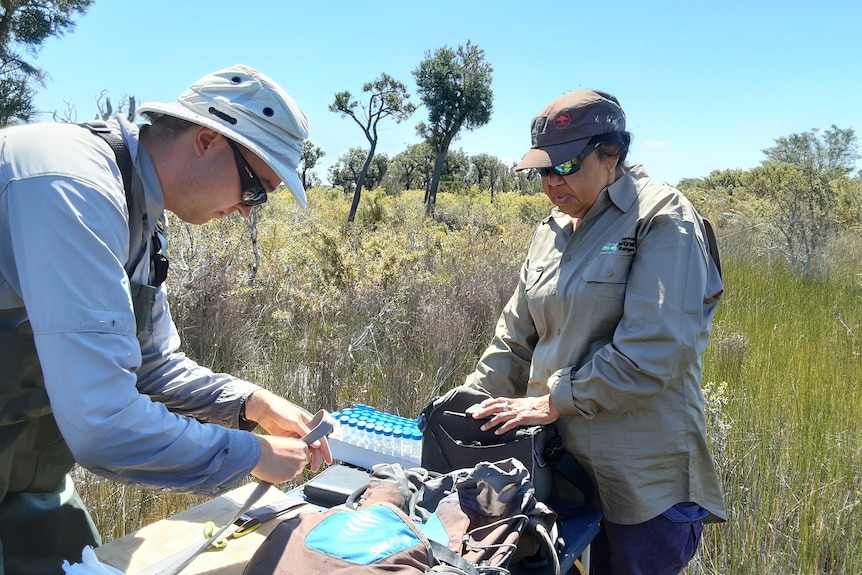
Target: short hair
<point>612,145</point>
<point>165,128</point>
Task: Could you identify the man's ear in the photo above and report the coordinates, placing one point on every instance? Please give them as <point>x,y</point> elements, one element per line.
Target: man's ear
<point>204,138</point>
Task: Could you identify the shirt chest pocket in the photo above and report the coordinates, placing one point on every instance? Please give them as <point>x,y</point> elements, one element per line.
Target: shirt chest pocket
<point>604,293</point>
<point>608,269</point>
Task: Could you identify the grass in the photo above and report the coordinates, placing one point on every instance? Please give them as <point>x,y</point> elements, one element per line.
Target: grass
<point>395,309</point>
<point>791,447</point>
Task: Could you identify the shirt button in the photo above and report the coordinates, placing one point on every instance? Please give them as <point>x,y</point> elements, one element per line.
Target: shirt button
<point>166,489</point>
<point>568,258</point>
<point>610,273</point>
<point>554,292</point>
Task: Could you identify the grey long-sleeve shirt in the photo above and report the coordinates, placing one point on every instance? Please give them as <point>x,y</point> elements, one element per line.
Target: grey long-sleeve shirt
<point>130,408</point>
<point>612,319</point>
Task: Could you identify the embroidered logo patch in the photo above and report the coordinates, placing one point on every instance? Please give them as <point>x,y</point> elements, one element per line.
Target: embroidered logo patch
<point>626,245</point>
<point>562,121</point>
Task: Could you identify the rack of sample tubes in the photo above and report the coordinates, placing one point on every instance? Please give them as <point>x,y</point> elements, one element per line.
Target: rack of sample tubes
<point>365,436</point>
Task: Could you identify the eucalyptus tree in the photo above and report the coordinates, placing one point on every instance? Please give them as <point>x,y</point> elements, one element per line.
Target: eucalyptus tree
<point>308,157</point>
<point>455,87</point>
<point>804,176</point>
<point>455,175</point>
<point>490,172</point>
<point>24,26</point>
<point>344,173</point>
<point>412,168</point>
<point>387,98</point>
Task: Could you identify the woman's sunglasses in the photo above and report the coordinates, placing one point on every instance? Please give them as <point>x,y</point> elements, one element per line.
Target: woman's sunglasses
<point>572,166</point>
<point>253,192</point>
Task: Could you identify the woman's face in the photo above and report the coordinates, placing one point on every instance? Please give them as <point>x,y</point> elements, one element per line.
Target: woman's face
<point>576,193</point>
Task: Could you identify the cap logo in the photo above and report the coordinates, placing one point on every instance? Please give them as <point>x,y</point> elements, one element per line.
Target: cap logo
<point>562,121</point>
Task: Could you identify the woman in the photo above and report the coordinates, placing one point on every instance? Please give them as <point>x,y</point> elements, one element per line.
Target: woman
<point>604,336</point>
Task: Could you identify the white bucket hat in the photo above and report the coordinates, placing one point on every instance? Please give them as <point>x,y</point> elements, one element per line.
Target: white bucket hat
<point>246,106</point>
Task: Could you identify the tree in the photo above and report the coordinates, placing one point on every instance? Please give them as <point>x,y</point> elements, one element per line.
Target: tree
<point>412,168</point>
<point>455,175</point>
<point>387,98</point>
<point>104,109</point>
<point>308,158</point>
<point>489,172</point>
<point>720,195</point>
<point>24,26</point>
<point>345,172</point>
<point>127,107</point>
<point>528,182</point>
<point>804,176</point>
<point>455,86</point>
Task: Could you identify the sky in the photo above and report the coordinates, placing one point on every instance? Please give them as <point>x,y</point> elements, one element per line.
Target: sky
<point>705,85</point>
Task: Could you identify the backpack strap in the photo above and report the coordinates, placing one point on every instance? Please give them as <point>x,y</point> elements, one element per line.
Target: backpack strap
<point>446,556</point>
<point>568,469</point>
<point>124,158</point>
<point>159,259</point>
<point>713,244</point>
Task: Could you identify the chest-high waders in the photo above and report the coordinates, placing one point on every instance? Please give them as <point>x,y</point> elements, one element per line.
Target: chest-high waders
<point>42,518</point>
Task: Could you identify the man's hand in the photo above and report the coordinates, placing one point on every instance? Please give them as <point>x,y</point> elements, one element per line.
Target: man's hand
<point>506,413</point>
<point>282,419</point>
<point>281,458</point>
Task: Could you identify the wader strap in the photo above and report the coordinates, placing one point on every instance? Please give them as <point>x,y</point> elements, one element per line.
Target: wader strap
<point>158,249</point>
<point>143,300</point>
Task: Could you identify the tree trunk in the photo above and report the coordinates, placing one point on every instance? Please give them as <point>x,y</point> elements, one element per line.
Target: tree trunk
<point>354,205</point>
<point>431,196</point>
<point>360,182</point>
<point>251,222</point>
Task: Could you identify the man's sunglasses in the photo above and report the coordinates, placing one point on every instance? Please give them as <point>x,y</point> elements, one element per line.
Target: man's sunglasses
<point>253,192</point>
<point>570,167</point>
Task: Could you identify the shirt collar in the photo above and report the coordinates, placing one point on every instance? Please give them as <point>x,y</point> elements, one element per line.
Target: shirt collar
<point>623,193</point>
<point>625,190</point>
<point>146,171</point>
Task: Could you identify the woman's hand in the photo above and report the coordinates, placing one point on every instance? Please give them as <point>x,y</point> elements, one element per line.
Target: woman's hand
<point>282,418</point>
<point>506,413</point>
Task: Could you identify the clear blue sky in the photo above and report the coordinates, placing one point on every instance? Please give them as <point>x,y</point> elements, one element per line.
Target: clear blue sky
<point>705,85</point>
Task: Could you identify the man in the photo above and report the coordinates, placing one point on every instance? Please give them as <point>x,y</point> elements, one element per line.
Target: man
<point>81,265</point>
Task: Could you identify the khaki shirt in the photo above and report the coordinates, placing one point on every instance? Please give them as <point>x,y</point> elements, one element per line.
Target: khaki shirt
<point>612,319</point>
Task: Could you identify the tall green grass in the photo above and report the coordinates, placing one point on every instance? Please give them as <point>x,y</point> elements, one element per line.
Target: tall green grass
<point>397,308</point>
<point>790,451</point>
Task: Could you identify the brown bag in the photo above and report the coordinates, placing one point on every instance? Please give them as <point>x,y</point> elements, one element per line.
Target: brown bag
<point>412,521</point>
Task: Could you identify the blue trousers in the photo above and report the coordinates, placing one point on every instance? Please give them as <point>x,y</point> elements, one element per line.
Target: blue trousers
<point>661,546</point>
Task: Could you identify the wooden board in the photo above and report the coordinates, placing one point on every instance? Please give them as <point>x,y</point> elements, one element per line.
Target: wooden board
<point>152,543</point>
